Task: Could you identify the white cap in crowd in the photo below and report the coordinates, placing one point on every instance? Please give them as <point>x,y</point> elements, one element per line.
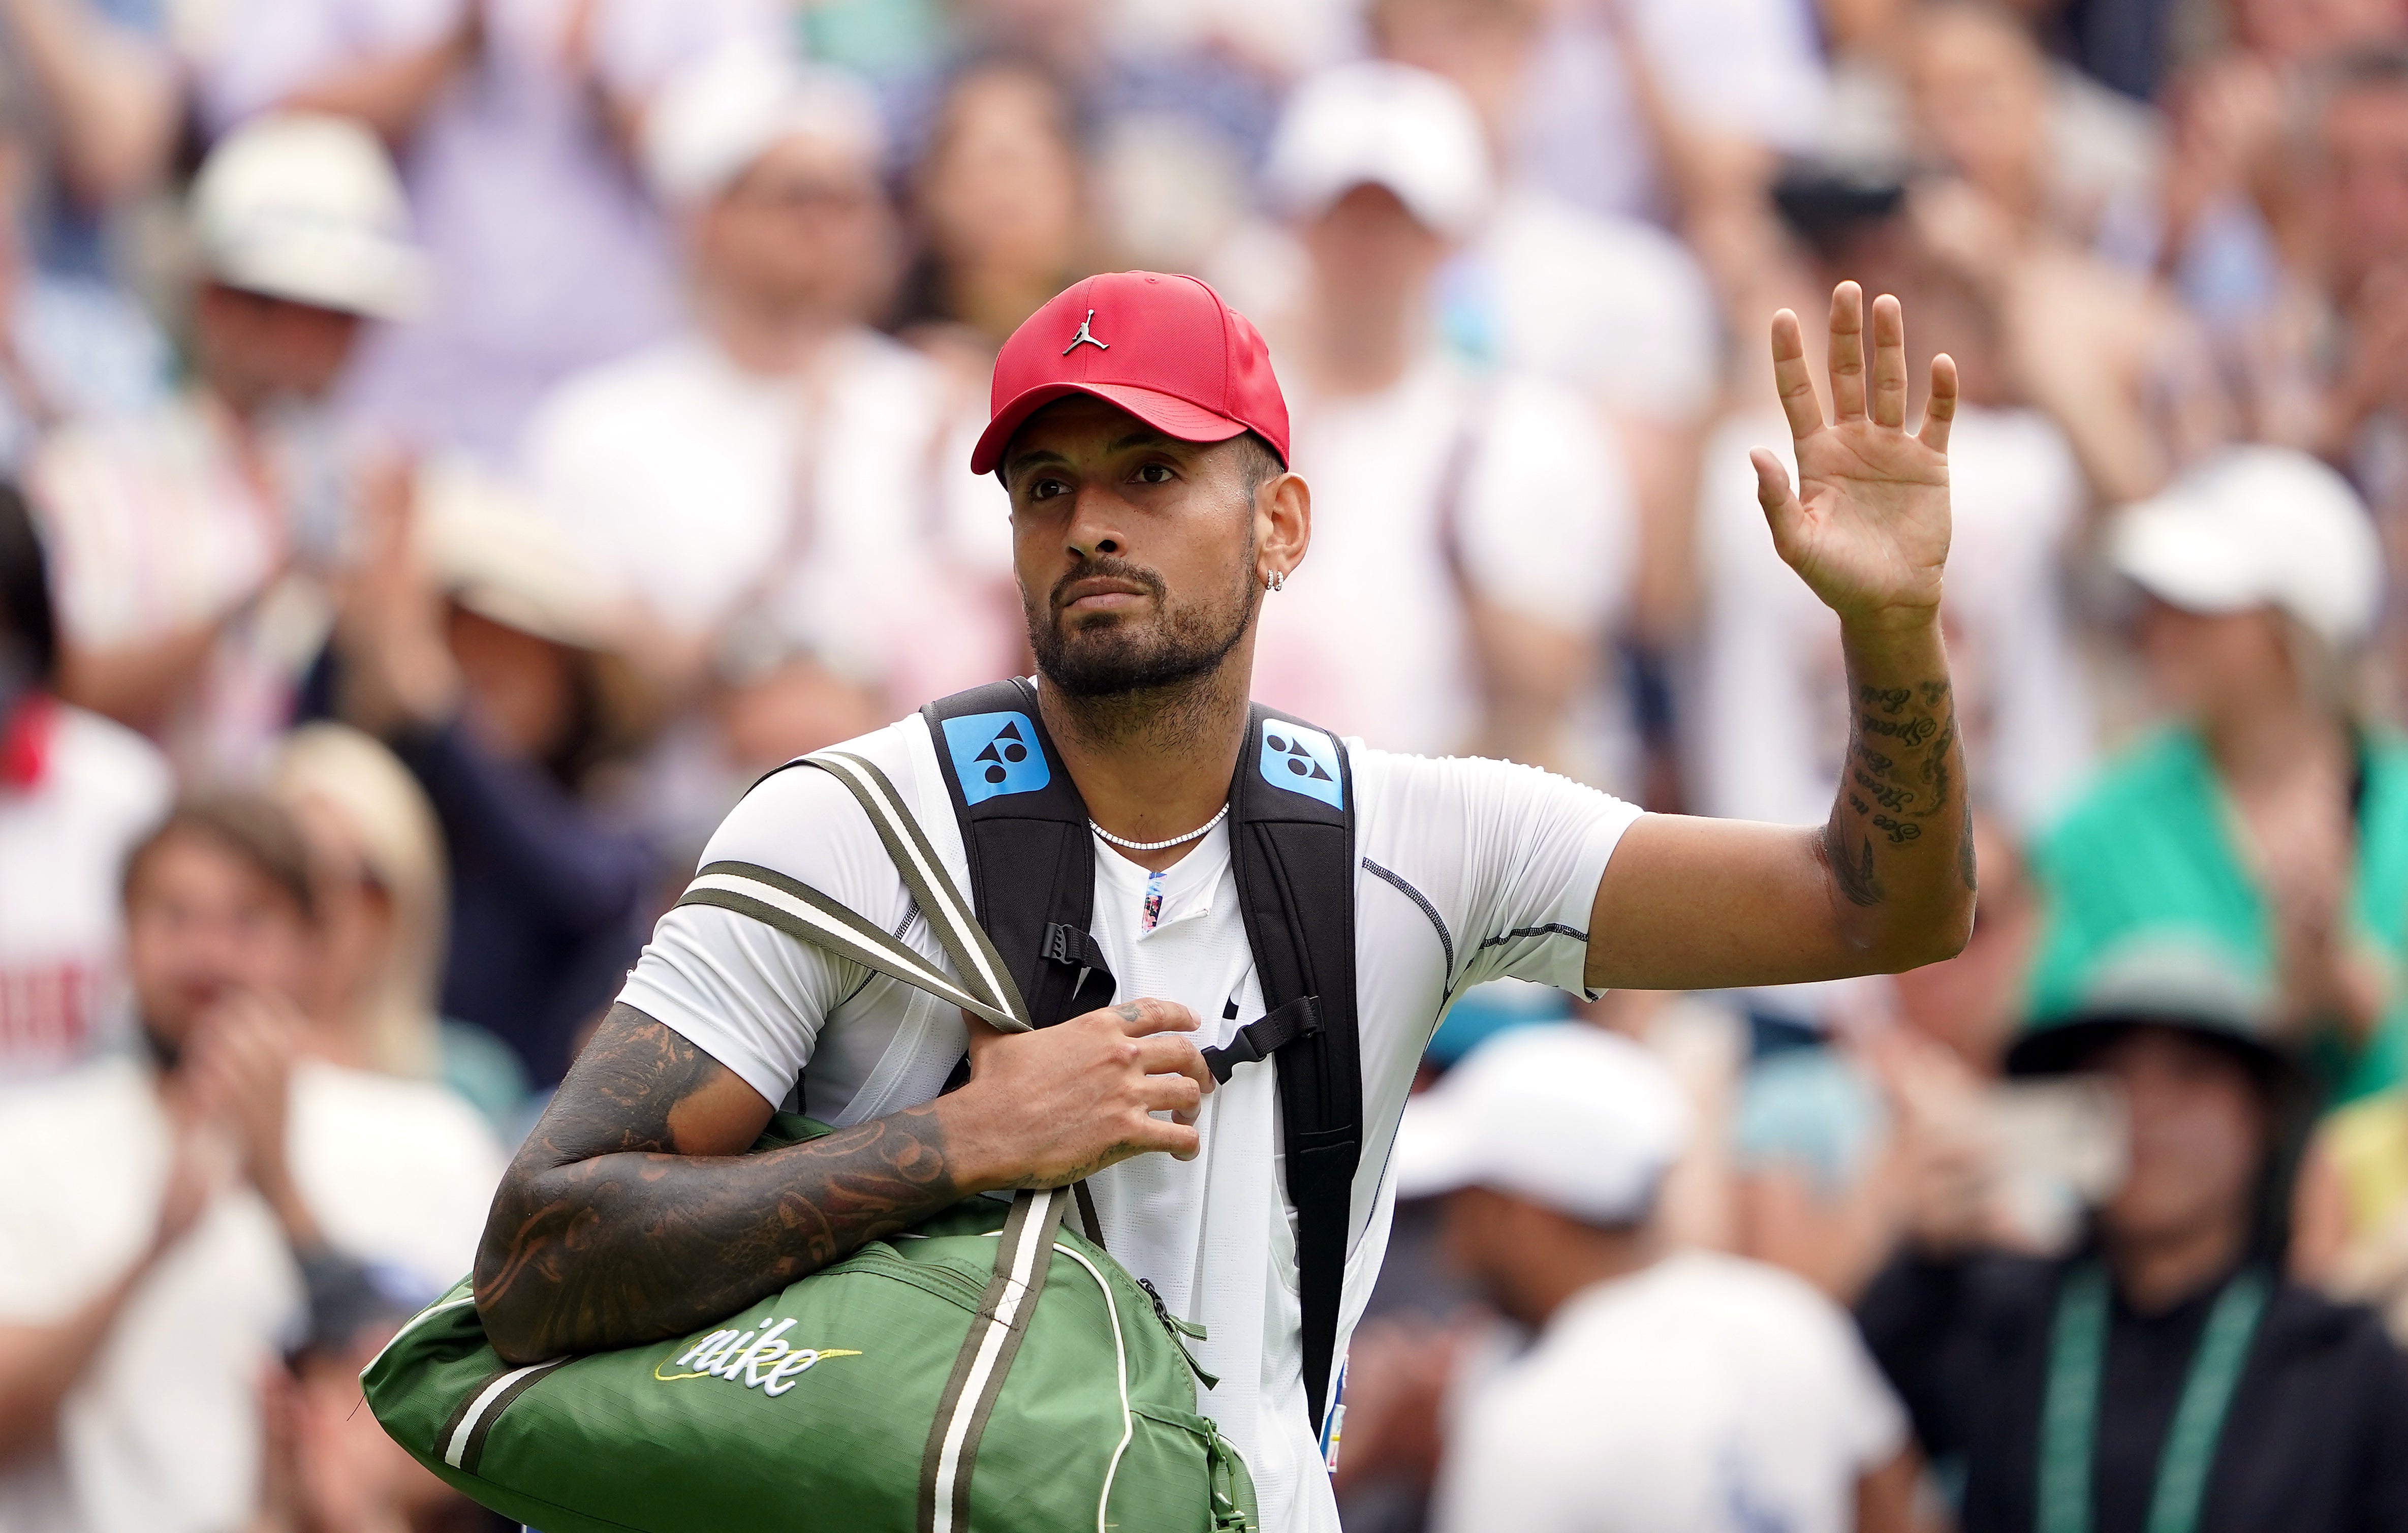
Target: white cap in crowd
<point>2258,526</point>
<point>308,209</point>
<point>1381,124</point>
<point>718,115</point>
<point>1571,1117</point>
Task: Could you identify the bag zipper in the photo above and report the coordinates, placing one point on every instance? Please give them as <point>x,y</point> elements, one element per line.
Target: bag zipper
<point>1178,1330</point>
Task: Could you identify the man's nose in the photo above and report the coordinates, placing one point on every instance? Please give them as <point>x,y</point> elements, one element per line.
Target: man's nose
<point>1095,523</point>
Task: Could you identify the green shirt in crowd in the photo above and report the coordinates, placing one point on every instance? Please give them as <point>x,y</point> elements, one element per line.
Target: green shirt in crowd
<point>2149,851</point>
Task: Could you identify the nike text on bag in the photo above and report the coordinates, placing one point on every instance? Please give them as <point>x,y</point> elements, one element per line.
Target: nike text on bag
<point>1032,862</point>
<point>991,1370</point>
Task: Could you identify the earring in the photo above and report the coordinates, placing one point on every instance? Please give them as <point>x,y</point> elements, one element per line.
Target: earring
<point>1274,580</point>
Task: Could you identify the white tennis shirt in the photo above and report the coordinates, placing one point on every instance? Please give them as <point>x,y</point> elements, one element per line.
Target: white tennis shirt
<point>1468,870</point>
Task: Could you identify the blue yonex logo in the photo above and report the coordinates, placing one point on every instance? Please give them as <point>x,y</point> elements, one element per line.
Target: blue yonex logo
<point>995,754</point>
<point>1302,761</point>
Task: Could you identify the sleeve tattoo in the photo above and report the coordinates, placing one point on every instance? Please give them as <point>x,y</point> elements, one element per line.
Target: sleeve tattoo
<point>605,1234</point>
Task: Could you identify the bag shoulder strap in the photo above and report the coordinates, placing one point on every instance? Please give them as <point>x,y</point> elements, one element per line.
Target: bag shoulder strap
<point>1024,1253</point>
<point>984,986</point>
<point>1292,847</point>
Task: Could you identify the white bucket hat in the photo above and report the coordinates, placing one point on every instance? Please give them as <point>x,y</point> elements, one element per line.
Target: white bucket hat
<point>308,209</point>
<point>1571,1117</point>
<point>1383,125</point>
<point>2258,526</point>
<point>719,114</point>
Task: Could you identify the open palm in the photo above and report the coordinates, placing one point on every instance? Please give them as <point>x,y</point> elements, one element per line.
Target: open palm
<point>1866,526</point>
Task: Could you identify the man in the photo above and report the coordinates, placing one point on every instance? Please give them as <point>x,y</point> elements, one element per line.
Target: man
<point>76,791</point>
<point>1644,111</point>
<point>482,645</point>
<point>1138,426</point>
<point>188,539</point>
<point>1478,527</point>
<point>2325,355</point>
<point>144,1291</point>
<point>767,481</point>
<point>1740,1398</point>
<point>2164,1375</point>
<point>2265,819</point>
<point>1567,278</point>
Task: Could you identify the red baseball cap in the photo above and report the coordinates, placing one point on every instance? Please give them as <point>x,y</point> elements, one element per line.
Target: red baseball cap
<point>1164,348</point>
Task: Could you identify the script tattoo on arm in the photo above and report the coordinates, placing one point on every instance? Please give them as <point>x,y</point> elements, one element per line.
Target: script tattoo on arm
<point>610,1230</point>
<point>1902,771</point>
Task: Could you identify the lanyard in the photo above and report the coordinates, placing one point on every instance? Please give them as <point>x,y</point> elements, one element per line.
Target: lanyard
<point>2070,1415</point>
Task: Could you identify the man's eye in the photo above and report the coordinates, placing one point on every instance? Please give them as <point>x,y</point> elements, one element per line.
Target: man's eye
<point>1155,473</point>
<point>1046,489</point>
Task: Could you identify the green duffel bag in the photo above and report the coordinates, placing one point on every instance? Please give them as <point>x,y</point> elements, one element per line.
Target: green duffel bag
<point>989,1371</point>
<point>933,1382</point>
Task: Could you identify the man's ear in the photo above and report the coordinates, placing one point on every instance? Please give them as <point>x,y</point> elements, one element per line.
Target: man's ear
<point>1284,521</point>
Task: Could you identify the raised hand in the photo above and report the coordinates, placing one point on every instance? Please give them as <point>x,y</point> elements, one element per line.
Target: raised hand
<point>1866,526</point>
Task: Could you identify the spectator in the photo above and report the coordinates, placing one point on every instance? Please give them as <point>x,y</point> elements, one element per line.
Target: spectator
<point>2265,819</point>
<point>1166,106</point>
<point>1648,110</point>
<point>1001,201</point>
<point>513,118</point>
<point>485,651</point>
<point>2105,350</point>
<point>1739,1397</point>
<point>1600,301</point>
<point>1477,532</point>
<point>76,790</point>
<point>378,867</point>
<point>2164,1374</point>
<point>778,483</point>
<point>189,542</point>
<point>142,1294</point>
<point>2326,375</point>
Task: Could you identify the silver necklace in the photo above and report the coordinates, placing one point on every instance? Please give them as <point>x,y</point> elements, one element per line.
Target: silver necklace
<point>1203,830</point>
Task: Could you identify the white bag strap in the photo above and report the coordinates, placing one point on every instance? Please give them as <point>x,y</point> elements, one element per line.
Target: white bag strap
<point>985,988</point>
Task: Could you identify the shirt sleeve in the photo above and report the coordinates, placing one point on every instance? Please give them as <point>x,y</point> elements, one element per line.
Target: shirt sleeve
<point>749,995</point>
<point>1514,854</point>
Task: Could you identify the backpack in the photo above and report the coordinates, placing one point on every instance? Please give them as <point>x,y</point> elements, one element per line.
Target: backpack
<point>1032,861</point>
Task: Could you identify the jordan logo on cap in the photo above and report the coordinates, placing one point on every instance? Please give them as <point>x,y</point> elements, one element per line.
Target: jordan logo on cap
<point>1084,337</point>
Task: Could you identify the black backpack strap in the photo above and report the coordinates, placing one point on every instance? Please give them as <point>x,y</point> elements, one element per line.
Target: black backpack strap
<point>1019,811</point>
<point>1292,846</point>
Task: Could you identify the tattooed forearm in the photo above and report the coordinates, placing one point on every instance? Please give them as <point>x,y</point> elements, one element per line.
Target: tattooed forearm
<point>608,1230</point>
<point>1902,791</point>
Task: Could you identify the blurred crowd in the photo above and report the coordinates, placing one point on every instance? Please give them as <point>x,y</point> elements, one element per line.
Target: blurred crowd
<point>449,448</point>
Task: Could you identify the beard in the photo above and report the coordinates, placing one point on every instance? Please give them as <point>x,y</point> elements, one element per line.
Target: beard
<point>1120,657</point>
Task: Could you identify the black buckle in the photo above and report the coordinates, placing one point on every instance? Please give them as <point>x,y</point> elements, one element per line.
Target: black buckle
<point>1259,1040</point>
